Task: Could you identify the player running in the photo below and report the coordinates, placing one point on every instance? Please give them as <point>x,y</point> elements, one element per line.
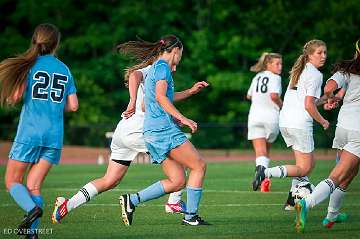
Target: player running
<point>263,121</point>
<point>347,141</point>
<point>47,89</point>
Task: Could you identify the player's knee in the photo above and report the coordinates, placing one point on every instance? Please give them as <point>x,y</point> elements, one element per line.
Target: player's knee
<point>33,187</point>
<point>304,171</point>
<point>110,183</point>
<point>178,184</point>
<point>10,181</point>
<point>201,165</point>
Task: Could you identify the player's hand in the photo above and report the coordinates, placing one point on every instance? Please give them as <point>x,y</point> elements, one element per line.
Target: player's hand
<point>192,124</point>
<point>325,124</point>
<point>197,87</point>
<point>130,110</point>
<point>178,122</point>
<point>332,103</point>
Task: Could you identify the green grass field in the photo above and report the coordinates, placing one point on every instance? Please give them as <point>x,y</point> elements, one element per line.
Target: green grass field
<point>228,203</point>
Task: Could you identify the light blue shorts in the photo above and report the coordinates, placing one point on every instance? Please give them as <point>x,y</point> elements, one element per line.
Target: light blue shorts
<point>160,143</point>
<point>31,154</point>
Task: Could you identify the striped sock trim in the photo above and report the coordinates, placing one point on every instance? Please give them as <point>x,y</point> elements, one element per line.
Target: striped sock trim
<point>282,170</point>
<point>302,179</point>
<point>138,197</point>
<point>86,194</point>
<point>331,184</point>
<point>341,189</point>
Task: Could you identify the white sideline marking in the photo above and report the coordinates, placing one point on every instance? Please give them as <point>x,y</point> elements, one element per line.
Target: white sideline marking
<point>205,191</point>
<point>162,205</point>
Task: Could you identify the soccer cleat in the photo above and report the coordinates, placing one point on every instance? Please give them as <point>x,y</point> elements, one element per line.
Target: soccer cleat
<point>195,221</point>
<point>290,202</point>
<point>34,214</point>
<point>301,213</point>
<point>60,210</point>
<point>265,185</point>
<point>341,217</point>
<point>259,177</point>
<point>179,207</point>
<point>127,209</point>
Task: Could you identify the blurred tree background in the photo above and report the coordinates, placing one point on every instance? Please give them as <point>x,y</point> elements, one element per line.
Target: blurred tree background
<point>222,39</point>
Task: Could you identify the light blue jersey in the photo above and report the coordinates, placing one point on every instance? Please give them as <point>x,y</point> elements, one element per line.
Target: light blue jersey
<point>156,118</point>
<point>42,116</point>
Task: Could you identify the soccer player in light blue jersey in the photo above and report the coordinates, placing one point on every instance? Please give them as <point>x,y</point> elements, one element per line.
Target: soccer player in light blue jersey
<point>47,89</point>
<point>165,141</point>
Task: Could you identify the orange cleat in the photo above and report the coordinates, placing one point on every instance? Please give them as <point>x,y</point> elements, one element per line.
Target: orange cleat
<point>265,185</point>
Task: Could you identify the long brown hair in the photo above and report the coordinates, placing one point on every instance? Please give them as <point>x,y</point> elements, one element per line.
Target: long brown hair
<point>308,49</point>
<point>264,59</point>
<point>145,53</point>
<point>14,70</point>
<point>350,66</point>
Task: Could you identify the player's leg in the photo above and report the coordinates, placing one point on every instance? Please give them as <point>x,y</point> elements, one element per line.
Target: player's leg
<point>114,173</point>
<point>262,161</point>
<point>175,181</point>
<point>187,155</point>
<point>34,181</point>
<point>21,157</point>
<point>349,163</point>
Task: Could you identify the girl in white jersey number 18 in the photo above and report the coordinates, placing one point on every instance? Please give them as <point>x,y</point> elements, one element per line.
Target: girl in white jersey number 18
<point>263,121</point>
<point>296,117</point>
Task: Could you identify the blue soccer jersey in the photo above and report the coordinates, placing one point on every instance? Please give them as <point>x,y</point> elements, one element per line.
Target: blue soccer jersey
<point>155,116</point>
<point>42,116</point>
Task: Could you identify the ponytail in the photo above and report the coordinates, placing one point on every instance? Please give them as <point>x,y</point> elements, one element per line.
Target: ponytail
<point>145,53</point>
<point>13,75</point>
<point>14,70</point>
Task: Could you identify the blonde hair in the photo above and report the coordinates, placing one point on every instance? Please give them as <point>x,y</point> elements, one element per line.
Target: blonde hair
<point>14,70</point>
<point>308,49</point>
<point>264,59</point>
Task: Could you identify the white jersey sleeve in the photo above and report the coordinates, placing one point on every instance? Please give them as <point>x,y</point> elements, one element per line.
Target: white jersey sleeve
<point>313,86</point>
<point>341,79</point>
<point>275,85</point>
<point>144,71</point>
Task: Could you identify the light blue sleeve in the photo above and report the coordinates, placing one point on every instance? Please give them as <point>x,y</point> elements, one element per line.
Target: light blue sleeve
<point>162,72</point>
<point>71,85</point>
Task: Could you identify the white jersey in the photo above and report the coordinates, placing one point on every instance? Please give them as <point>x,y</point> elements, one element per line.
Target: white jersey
<point>263,109</point>
<point>349,114</point>
<point>293,113</point>
<point>136,122</point>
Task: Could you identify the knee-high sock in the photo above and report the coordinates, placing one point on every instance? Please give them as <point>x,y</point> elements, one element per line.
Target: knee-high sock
<point>175,197</point>
<point>84,195</point>
<point>39,202</point>
<point>22,197</point>
<point>335,202</point>
<point>262,160</point>
<point>154,191</point>
<point>193,201</point>
<point>276,172</point>
<point>320,193</point>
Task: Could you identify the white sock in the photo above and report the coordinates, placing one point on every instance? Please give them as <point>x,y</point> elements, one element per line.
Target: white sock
<point>84,195</point>
<point>320,193</point>
<point>298,180</point>
<point>276,172</point>
<point>335,202</point>
<point>262,160</point>
<point>175,197</point>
